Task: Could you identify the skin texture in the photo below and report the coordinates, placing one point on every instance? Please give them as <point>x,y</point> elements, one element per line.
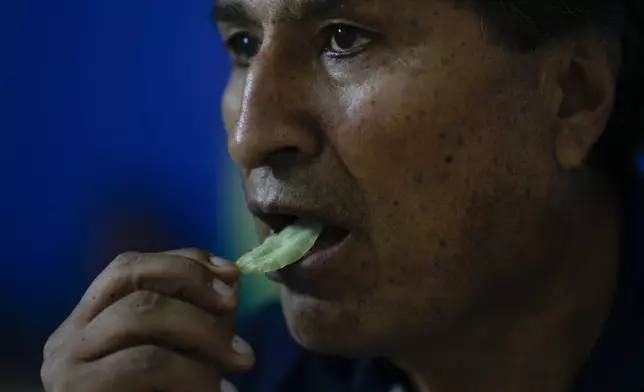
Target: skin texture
<point>480,242</point>
<point>151,322</point>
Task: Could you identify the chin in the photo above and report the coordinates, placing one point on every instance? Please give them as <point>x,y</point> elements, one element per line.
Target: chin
<point>329,328</point>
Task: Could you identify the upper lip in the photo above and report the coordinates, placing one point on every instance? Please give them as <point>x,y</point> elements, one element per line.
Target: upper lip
<point>277,216</point>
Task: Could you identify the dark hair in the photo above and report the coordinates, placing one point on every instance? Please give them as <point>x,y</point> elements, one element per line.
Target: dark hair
<point>524,25</point>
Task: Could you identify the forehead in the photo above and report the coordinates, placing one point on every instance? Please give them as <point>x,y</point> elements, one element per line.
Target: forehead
<point>302,9</point>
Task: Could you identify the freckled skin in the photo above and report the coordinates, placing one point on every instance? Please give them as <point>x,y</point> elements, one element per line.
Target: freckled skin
<point>438,148</point>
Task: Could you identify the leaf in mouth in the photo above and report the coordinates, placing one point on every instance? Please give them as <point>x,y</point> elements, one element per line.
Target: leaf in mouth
<point>283,249</point>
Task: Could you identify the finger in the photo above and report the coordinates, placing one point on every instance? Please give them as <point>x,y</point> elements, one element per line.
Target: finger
<point>143,318</point>
<point>153,368</point>
<point>222,268</point>
<point>225,270</point>
<point>227,386</point>
<point>55,340</point>
<point>170,275</point>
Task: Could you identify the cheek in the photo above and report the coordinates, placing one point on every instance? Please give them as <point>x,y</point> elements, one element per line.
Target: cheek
<point>431,159</point>
<point>401,146</point>
<point>382,126</point>
<point>405,148</point>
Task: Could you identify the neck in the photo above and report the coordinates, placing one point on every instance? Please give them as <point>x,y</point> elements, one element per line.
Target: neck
<point>540,344</point>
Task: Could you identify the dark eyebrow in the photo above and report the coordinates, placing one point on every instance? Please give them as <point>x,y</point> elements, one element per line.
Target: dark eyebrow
<point>235,11</point>
<point>314,9</point>
<point>226,11</point>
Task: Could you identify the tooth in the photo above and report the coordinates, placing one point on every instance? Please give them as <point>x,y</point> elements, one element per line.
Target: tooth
<point>280,250</point>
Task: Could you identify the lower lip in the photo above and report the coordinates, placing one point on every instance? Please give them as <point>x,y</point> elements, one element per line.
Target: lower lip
<point>311,265</point>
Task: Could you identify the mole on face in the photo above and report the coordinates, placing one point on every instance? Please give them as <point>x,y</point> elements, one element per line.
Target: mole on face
<point>418,178</point>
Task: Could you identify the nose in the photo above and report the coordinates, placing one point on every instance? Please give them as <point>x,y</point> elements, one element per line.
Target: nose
<point>276,125</point>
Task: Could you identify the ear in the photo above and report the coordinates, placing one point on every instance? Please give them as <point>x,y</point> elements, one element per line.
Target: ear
<point>583,80</point>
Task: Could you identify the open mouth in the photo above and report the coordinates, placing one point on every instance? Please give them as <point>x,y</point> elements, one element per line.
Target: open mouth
<point>331,235</point>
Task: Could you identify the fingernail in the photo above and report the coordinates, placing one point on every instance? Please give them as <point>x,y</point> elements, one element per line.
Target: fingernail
<point>240,346</point>
<point>219,262</point>
<point>222,288</point>
<point>227,386</point>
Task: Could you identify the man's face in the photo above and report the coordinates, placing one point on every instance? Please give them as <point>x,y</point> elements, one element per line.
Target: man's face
<point>399,122</point>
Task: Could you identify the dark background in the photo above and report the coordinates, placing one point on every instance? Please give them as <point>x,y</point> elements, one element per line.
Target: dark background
<point>111,139</point>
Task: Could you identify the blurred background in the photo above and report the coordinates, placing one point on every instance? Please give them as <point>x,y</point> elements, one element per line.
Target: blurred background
<point>111,140</point>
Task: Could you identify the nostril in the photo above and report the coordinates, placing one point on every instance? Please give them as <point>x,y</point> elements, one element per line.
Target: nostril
<point>285,157</point>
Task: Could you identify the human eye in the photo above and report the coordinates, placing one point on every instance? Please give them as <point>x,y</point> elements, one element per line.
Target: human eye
<point>243,47</point>
<point>342,40</point>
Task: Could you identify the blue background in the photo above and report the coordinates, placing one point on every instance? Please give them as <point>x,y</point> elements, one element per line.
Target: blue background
<point>111,140</point>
